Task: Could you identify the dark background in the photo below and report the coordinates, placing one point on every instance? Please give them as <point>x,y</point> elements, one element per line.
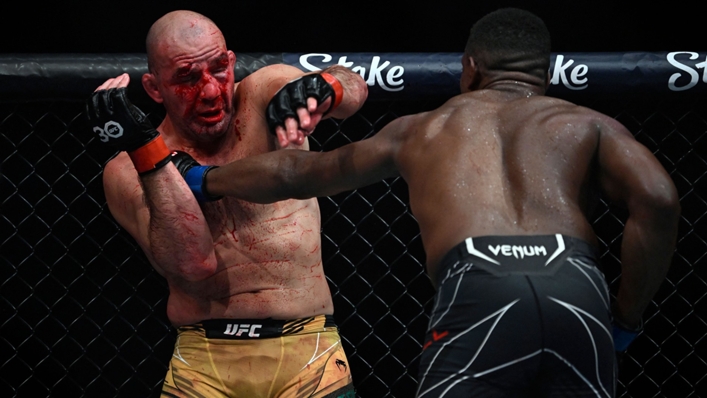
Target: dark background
<point>91,321</point>
<point>348,26</point>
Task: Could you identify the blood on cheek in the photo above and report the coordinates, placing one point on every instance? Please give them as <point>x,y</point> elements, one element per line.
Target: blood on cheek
<point>186,91</point>
<point>190,94</point>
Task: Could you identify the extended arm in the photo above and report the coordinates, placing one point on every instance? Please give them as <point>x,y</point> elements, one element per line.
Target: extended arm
<point>145,193</point>
<point>279,175</point>
<point>631,176</point>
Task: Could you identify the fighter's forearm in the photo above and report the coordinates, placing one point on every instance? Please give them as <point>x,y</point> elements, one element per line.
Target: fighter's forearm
<point>265,179</point>
<point>297,174</point>
<point>646,253</point>
<point>355,91</point>
<point>180,240</point>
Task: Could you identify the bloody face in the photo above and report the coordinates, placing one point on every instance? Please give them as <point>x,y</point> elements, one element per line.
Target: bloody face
<point>197,89</point>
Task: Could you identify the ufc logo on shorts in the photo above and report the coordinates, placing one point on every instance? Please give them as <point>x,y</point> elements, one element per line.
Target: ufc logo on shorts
<point>235,329</point>
<point>110,130</point>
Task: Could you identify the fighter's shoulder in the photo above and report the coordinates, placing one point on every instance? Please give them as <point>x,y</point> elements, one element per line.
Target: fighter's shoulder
<point>267,73</point>
<point>566,106</point>
<point>406,122</point>
<point>465,99</point>
<point>470,101</point>
<point>259,87</point>
<point>403,128</point>
<point>603,122</point>
<point>566,109</point>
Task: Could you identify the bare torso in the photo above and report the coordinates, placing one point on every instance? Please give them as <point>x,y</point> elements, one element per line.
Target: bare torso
<point>269,256</point>
<point>492,162</point>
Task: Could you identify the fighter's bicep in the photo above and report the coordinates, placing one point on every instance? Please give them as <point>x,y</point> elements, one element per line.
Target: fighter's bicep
<point>375,158</point>
<point>263,84</point>
<point>367,161</point>
<point>346,168</point>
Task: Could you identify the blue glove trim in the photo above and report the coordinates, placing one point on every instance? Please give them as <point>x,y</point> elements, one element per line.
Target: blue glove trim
<point>195,180</point>
<point>623,337</point>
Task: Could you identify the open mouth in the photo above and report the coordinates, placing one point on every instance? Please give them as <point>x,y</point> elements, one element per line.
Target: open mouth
<point>211,117</point>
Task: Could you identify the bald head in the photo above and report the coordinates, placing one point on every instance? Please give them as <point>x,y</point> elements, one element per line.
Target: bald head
<point>178,30</point>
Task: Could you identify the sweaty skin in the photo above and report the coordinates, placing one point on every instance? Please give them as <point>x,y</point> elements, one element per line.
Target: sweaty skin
<point>502,159</point>
<point>230,258</point>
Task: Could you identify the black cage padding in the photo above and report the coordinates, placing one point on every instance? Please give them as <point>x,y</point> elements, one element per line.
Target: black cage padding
<point>82,313</point>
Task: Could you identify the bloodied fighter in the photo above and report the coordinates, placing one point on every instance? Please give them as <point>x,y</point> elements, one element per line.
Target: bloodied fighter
<point>247,291</point>
<point>502,180</point>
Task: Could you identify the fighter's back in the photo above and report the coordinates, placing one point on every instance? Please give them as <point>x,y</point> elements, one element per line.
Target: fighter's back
<point>492,163</point>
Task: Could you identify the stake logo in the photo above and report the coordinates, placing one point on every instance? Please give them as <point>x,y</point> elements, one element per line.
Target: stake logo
<point>692,73</point>
<point>576,79</point>
<point>389,77</point>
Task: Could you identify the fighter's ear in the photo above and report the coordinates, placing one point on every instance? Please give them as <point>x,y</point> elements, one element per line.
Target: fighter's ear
<point>468,77</point>
<point>149,83</point>
<point>468,63</point>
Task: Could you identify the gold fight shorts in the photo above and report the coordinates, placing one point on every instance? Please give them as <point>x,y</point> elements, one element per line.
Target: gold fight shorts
<point>253,358</point>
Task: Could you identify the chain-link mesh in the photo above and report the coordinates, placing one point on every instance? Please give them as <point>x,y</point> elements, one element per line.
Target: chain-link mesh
<point>83,313</point>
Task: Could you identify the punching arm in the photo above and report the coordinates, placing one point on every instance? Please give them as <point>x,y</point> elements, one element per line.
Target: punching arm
<point>297,174</point>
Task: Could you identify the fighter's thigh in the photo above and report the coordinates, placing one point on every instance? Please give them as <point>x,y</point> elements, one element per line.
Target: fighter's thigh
<point>319,367</point>
<point>484,339</point>
<point>578,333</point>
<point>576,312</point>
<point>182,382</point>
<point>481,310</point>
<point>222,368</point>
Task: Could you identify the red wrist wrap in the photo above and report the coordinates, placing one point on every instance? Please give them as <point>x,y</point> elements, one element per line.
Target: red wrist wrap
<point>151,156</point>
<point>338,90</point>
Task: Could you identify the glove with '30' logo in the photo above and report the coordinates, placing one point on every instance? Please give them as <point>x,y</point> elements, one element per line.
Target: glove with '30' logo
<point>122,125</point>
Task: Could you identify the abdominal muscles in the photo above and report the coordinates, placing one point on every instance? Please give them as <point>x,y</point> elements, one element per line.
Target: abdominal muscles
<point>269,265</point>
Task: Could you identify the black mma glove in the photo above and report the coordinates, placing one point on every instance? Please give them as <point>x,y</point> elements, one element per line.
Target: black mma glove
<point>194,174</point>
<point>125,127</point>
<point>294,95</point>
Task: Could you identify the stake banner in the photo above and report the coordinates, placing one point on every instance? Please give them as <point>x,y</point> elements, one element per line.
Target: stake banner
<point>398,76</point>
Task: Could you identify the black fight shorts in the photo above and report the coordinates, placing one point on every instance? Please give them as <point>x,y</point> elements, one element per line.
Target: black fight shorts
<point>519,316</point>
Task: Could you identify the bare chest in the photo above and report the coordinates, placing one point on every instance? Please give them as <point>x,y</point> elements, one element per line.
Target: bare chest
<point>250,232</point>
<point>250,130</point>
